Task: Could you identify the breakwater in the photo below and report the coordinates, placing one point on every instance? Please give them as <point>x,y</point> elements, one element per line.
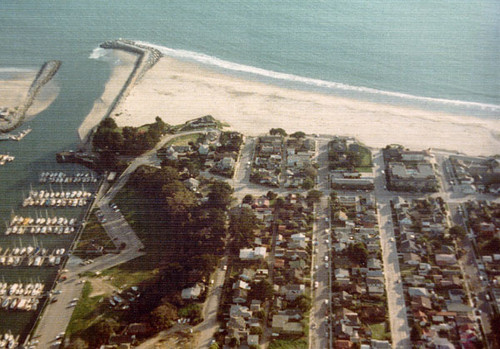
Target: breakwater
<point>44,75</point>
<point>147,58</point>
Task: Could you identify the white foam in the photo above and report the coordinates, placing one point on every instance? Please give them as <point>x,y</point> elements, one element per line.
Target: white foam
<point>214,61</point>
<point>16,70</point>
<point>99,53</point>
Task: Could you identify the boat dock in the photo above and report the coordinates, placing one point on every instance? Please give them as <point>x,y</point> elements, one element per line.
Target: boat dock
<point>47,198</point>
<point>19,296</point>
<point>4,158</point>
<point>32,257</point>
<point>61,177</point>
<point>50,225</point>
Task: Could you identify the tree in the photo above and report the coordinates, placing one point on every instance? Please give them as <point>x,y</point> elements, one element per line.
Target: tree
<point>163,316</point>
<point>256,330</point>
<point>248,199</point>
<point>108,123</point>
<point>308,183</point>
<point>271,195</point>
<point>298,134</point>
<point>303,302</point>
<point>495,319</point>
<point>100,332</point>
<point>457,232</point>
<point>242,224</point>
<point>358,253</point>
<point>261,290</point>
<point>79,344</point>
<point>314,196</point>
<point>220,195</point>
<point>416,332</point>
<point>277,131</point>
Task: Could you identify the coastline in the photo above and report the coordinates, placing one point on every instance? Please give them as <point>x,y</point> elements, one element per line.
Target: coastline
<point>24,91</point>
<point>179,91</point>
<point>119,75</point>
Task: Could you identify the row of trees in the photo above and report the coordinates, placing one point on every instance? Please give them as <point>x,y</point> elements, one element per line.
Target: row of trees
<point>127,140</point>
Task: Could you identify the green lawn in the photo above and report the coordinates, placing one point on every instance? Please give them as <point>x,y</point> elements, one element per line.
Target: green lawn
<point>131,273</point>
<point>379,331</point>
<point>84,313</point>
<point>288,344</point>
<point>93,232</point>
<point>184,140</point>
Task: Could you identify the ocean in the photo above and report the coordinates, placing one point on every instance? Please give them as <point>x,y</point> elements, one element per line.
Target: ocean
<point>437,55</point>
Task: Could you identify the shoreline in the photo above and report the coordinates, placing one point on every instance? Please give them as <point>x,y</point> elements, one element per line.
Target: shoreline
<point>28,92</point>
<point>135,60</point>
<point>179,91</point>
<point>32,96</point>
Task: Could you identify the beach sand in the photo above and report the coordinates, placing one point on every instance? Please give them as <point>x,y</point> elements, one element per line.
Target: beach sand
<point>178,91</point>
<point>15,87</point>
<point>119,76</point>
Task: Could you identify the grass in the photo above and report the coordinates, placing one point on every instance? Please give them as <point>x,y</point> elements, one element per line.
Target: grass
<point>130,273</point>
<point>379,331</point>
<point>93,232</point>
<point>288,344</point>
<point>184,140</point>
<point>83,315</point>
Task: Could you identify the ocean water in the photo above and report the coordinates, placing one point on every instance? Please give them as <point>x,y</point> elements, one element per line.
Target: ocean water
<point>440,55</point>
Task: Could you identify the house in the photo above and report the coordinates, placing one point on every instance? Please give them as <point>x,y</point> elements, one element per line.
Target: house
<point>411,258</point>
<point>281,324</point>
<point>240,296</point>
<point>253,339</point>
<point>291,292</point>
<point>247,275</point>
<point>238,310</point>
<point>253,254</point>
<point>445,259</point>
<point>191,183</point>
<point>192,292</point>
<point>203,149</point>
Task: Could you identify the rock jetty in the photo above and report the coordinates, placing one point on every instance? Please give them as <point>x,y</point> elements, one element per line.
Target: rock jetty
<point>44,75</point>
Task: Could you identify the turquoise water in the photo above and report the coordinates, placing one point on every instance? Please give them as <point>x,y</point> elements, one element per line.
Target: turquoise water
<point>440,55</point>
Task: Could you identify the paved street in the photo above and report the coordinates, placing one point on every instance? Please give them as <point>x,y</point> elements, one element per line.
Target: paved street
<point>209,326</point>
<point>400,331</point>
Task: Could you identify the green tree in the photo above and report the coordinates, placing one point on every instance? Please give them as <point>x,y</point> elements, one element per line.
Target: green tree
<point>242,224</point>
<point>298,134</point>
<point>163,316</point>
<point>100,332</point>
<point>308,183</point>
<point>277,131</point>
<point>108,123</point>
<point>248,199</point>
<point>314,196</point>
<point>220,195</point>
<point>271,195</point>
<point>457,232</point>
<point>261,290</point>
<point>358,253</point>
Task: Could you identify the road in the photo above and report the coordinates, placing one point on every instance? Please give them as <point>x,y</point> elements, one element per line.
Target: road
<point>400,331</point>
<point>209,326</point>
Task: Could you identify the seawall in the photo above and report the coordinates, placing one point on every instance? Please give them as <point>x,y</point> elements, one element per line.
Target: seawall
<point>147,57</point>
<point>44,75</point>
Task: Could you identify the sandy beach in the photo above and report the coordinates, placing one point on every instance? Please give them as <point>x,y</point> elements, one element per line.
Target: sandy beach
<point>119,76</point>
<point>179,91</point>
<point>14,89</point>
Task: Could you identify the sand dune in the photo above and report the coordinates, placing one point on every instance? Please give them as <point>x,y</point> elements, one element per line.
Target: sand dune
<point>178,91</point>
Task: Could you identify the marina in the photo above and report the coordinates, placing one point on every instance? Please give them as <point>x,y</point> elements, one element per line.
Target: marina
<point>32,256</point>
<point>50,225</point>
<point>19,296</point>
<point>61,177</point>
<point>8,340</point>
<point>51,198</point>
<point>36,241</point>
<point>15,137</point>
